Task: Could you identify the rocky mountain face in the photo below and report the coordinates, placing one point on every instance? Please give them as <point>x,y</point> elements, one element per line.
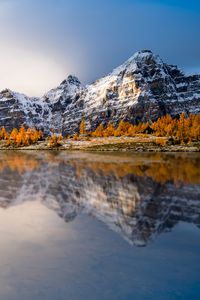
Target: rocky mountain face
<point>142,89</point>
<point>134,204</point>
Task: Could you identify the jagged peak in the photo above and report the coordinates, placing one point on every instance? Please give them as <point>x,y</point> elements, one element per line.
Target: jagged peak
<point>144,55</point>
<point>138,60</point>
<point>72,80</point>
<point>67,88</point>
<point>6,91</point>
<point>9,93</point>
<point>144,52</point>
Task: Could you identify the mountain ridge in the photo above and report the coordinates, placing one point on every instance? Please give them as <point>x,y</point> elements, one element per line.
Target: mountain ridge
<point>141,89</point>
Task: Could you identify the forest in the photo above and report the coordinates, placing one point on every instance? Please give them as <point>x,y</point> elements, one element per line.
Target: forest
<point>183,130</point>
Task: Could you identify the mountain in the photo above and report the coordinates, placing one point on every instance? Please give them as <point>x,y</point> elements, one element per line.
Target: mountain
<point>142,89</point>
<point>129,195</point>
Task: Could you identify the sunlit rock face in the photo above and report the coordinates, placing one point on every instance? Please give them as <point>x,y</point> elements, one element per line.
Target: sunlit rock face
<point>134,202</point>
<point>142,89</point>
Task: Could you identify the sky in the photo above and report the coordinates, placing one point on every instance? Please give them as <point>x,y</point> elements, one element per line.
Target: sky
<point>43,41</point>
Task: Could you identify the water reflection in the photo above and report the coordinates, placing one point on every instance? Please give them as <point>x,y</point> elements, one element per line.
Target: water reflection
<point>138,195</point>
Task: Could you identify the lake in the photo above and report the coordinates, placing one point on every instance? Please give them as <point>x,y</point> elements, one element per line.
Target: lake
<point>77,225</point>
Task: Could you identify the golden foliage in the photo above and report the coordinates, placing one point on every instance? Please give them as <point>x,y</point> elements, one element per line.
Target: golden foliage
<point>82,128</point>
<point>99,132</point>
<point>109,131</point>
<point>161,142</point>
<point>188,130</point>
<point>55,140</point>
<point>136,129</point>
<point>3,134</point>
<point>19,162</point>
<point>122,128</point>
<point>161,169</point>
<point>164,126</point>
<point>194,127</point>
<point>75,137</point>
<point>184,130</point>
<point>23,137</point>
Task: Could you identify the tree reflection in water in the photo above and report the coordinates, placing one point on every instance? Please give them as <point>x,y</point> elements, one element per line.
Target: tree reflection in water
<point>137,195</point>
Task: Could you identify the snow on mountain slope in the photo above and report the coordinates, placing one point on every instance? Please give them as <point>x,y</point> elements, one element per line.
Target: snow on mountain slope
<point>59,98</point>
<point>17,109</point>
<point>142,89</point>
<point>68,88</point>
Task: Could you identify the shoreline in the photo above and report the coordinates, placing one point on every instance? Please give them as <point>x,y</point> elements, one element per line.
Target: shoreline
<point>109,144</point>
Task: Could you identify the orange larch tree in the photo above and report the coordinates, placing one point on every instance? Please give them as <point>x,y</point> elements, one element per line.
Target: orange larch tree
<point>99,132</point>
<point>82,128</point>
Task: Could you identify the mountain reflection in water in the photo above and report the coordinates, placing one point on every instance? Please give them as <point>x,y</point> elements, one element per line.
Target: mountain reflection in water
<point>137,195</point>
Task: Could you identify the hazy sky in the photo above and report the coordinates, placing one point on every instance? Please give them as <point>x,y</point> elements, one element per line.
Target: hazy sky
<point>42,41</point>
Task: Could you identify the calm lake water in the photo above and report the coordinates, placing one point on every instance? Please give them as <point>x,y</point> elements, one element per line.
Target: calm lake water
<point>99,226</point>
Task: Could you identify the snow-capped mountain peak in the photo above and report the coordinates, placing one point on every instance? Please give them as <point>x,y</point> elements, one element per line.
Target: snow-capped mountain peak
<point>71,80</point>
<point>67,88</point>
<point>141,89</point>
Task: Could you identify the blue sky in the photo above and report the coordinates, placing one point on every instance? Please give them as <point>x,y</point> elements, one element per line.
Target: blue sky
<point>42,41</point>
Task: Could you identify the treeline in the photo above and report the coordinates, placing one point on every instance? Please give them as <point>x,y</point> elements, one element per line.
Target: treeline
<point>21,137</point>
<point>182,130</point>
<point>29,136</point>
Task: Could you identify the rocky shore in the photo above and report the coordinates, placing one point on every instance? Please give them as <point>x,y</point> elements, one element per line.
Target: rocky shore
<point>135,144</point>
